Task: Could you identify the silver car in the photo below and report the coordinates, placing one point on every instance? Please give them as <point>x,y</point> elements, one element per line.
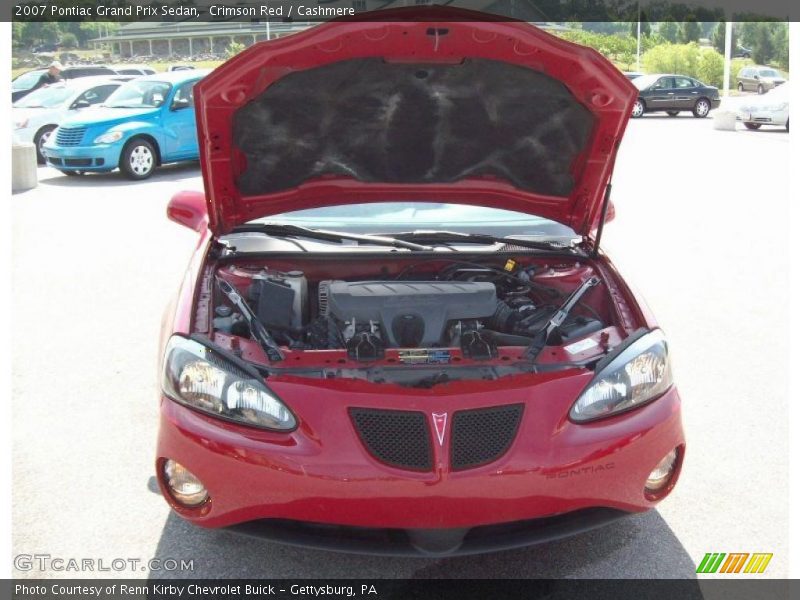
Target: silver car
<point>759,79</point>
<point>770,109</point>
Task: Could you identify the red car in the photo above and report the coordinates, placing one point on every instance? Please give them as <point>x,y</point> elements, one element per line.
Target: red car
<point>398,333</point>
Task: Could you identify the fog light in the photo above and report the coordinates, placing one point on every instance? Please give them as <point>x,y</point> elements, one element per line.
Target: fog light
<point>183,485</point>
<point>660,476</point>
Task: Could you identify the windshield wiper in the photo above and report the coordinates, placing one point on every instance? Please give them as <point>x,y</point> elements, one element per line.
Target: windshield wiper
<point>439,237</point>
<point>280,230</point>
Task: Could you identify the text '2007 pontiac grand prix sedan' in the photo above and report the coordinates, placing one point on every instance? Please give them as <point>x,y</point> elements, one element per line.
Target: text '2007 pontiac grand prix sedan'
<point>398,333</point>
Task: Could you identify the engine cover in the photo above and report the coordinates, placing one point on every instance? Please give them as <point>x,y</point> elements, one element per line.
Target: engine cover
<point>412,313</point>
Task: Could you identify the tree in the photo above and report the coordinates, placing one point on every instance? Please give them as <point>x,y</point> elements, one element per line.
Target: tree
<point>233,49</point>
<point>69,40</point>
<point>763,48</point>
<point>718,38</point>
<point>690,32</point>
<point>669,31</point>
<point>781,41</point>
<point>747,33</point>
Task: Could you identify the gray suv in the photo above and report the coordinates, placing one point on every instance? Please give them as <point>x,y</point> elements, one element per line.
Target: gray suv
<point>758,79</point>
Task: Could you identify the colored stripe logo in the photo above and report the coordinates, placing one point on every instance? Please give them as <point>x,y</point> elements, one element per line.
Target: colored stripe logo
<point>735,562</point>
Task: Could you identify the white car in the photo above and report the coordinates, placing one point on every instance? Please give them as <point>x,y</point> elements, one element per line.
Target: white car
<point>135,70</point>
<point>35,116</point>
<point>770,109</point>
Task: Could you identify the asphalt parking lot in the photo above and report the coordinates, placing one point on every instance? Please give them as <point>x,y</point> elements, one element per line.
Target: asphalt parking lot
<point>701,231</point>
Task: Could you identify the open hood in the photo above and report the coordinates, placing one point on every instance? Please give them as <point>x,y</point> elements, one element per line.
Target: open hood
<point>428,104</point>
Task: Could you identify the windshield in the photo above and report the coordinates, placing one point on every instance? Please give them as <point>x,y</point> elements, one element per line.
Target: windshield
<point>645,81</point>
<point>139,94</point>
<point>396,217</point>
<point>47,97</point>
<point>27,80</point>
<point>768,73</point>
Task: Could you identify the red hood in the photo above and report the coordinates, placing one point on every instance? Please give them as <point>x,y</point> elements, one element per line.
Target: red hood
<point>437,104</point>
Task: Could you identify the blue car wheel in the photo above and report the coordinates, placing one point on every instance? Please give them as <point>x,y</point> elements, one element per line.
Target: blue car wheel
<point>138,159</point>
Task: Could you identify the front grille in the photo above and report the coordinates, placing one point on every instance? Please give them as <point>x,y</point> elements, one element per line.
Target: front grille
<point>483,435</point>
<point>398,438</point>
<point>70,136</point>
<point>78,162</point>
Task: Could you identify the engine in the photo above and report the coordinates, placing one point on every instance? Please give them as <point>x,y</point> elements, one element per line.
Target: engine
<point>410,314</point>
<point>473,309</point>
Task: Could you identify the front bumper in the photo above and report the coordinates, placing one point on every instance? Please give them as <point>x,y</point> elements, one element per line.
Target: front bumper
<point>763,117</point>
<point>716,102</point>
<point>99,157</point>
<point>319,478</point>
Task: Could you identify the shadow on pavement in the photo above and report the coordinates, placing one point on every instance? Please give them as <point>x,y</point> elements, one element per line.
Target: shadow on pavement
<point>640,546</point>
<point>171,172</point>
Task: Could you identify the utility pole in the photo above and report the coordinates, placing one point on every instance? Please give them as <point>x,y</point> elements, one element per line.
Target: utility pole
<point>638,36</point>
<point>726,71</point>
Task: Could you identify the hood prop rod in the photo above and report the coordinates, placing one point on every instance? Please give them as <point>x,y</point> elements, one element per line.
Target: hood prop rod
<point>603,212</point>
<point>262,336</point>
<point>558,318</point>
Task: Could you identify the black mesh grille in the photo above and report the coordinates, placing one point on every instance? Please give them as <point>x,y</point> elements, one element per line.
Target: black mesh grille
<point>398,438</point>
<point>483,435</point>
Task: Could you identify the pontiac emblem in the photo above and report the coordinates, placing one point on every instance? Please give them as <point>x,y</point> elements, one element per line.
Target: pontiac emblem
<point>440,424</point>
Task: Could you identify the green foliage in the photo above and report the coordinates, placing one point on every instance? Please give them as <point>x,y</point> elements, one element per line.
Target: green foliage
<point>669,31</point>
<point>710,67</point>
<point>763,48</point>
<point>28,34</point>
<point>782,47</point>
<point>644,28</point>
<point>718,38</point>
<point>690,32</point>
<point>233,49</point>
<point>673,58</point>
<point>69,40</point>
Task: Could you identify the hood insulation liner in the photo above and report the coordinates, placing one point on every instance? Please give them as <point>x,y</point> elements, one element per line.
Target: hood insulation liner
<point>380,122</point>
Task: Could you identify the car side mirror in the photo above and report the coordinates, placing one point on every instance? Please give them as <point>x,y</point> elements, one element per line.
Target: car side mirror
<point>180,104</point>
<point>755,76</point>
<point>188,209</point>
<point>80,104</point>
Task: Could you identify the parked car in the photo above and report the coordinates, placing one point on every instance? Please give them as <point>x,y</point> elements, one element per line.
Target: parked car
<point>770,109</point>
<point>37,115</point>
<point>742,52</point>
<point>135,70</point>
<point>25,83</point>
<point>46,47</point>
<point>147,122</point>
<point>180,68</point>
<point>673,94</point>
<point>632,74</point>
<point>758,79</point>
<point>363,390</point>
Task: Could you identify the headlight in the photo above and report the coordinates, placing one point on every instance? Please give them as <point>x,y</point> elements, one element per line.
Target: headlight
<point>108,138</point>
<point>637,374</point>
<point>200,378</point>
<point>21,124</point>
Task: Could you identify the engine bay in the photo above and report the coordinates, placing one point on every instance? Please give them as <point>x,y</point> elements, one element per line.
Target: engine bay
<point>410,322</point>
